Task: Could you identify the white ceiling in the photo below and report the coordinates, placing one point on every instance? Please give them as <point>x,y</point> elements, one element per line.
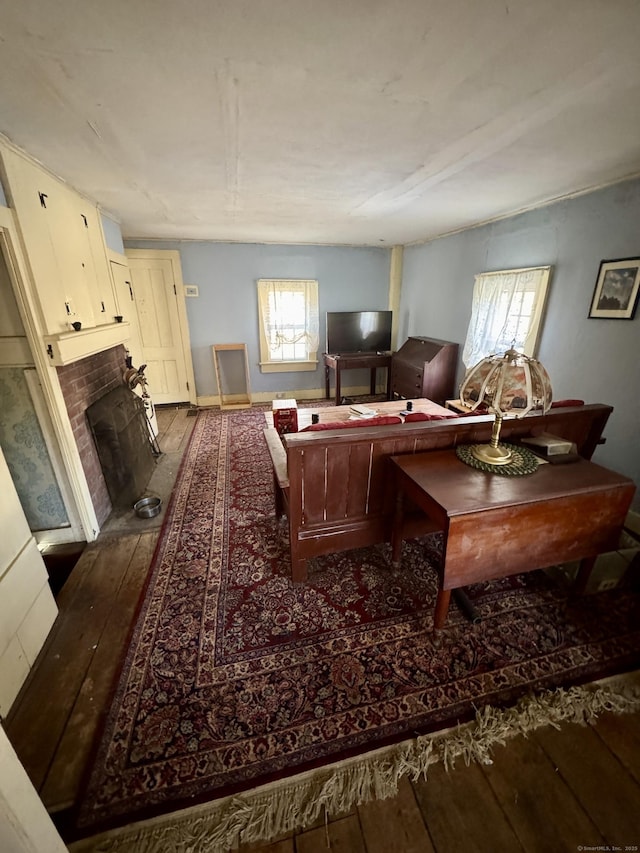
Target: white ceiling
<point>316,121</point>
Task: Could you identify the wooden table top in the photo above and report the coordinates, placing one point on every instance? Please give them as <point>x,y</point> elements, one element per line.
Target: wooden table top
<point>338,414</point>
<point>458,488</point>
<point>496,525</point>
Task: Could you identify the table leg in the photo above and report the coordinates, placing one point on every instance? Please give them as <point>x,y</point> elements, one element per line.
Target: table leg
<point>582,578</point>
<point>442,608</point>
<point>299,570</point>
<point>337,385</point>
<point>389,383</point>
<point>396,530</point>
<point>468,610</point>
<point>372,382</point>
<point>327,390</point>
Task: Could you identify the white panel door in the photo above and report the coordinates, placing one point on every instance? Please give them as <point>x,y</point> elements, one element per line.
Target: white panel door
<point>157,302</point>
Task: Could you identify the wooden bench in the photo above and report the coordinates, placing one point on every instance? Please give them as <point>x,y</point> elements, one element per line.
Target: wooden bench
<point>335,486</point>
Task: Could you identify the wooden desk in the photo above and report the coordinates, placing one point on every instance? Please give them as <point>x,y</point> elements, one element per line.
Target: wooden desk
<point>496,526</point>
<point>355,361</point>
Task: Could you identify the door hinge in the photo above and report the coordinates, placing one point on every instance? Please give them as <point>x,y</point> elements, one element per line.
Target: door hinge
<point>84,219</point>
<point>128,283</point>
<point>43,199</point>
<point>175,292</point>
<point>188,389</point>
<point>50,350</point>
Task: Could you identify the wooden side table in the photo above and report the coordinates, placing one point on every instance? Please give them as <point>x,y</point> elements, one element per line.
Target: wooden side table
<point>355,361</point>
<point>496,526</point>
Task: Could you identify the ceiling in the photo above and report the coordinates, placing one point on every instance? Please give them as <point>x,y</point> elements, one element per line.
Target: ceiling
<point>356,122</point>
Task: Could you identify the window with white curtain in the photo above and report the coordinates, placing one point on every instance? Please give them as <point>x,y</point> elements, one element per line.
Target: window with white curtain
<point>289,324</point>
<point>506,312</point>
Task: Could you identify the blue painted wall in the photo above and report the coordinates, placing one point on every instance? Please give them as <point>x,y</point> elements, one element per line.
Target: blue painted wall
<point>112,234</point>
<point>226,311</point>
<point>595,360</point>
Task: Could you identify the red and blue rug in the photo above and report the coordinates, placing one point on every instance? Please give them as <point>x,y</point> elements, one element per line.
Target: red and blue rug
<point>235,677</point>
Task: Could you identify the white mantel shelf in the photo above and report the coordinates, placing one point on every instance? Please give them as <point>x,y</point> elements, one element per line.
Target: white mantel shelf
<point>68,347</point>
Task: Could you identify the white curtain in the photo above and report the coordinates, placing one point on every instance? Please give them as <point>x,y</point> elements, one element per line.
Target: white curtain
<point>289,313</point>
<point>506,312</point>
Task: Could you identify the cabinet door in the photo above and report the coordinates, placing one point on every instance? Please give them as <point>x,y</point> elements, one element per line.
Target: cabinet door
<point>30,191</point>
<point>64,245</point>
<point>96,270</point>
<point>121,276</point>
<point>73,255</point>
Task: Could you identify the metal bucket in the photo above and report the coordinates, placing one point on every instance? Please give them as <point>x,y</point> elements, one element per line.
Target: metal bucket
<point>147,507</point>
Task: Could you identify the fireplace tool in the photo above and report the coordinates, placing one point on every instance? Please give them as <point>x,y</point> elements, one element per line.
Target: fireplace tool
<point>134,378</point>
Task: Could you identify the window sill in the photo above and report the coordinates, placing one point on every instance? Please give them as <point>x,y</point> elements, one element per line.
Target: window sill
<point>287,366</point>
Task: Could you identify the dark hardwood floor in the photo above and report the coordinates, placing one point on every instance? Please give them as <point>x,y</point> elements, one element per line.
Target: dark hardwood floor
<point>557,790</point>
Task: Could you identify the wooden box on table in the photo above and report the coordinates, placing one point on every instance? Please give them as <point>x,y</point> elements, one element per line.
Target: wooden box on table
<point>285,416</point>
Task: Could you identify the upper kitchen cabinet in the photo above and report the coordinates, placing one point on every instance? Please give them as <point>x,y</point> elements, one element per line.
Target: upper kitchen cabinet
<point>63,242</point>
<point>96,266</point>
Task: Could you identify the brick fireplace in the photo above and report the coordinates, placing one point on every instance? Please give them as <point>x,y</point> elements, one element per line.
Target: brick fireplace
<point>84,382</point>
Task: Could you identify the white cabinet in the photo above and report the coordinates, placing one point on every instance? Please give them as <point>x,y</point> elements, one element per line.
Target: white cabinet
<point>64,245</point>
<point>28,192</point>
<point>27,606</point>
<point>96,269</point>
<point>122,281</point>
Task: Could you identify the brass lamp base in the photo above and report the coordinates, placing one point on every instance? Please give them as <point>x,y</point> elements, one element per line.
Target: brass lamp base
<point>493,453</point>
<point>487,453</point>
<point>522,460</point>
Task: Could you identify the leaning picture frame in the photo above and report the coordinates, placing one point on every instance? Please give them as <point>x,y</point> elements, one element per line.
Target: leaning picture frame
<point>615,296</point>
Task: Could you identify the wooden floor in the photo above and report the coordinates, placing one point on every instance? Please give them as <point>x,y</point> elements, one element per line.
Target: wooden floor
<point>557,790</point>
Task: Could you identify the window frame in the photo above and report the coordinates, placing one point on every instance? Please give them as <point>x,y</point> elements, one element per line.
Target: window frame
<point>269,364</point>
<point>532,337</point>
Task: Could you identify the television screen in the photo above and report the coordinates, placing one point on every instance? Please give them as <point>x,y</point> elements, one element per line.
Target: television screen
<point>358,331</point>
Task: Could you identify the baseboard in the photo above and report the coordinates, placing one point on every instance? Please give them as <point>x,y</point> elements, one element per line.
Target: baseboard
<point>299,394</point>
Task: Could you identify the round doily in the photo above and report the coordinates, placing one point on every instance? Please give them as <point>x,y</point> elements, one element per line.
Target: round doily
<point>523,461</point>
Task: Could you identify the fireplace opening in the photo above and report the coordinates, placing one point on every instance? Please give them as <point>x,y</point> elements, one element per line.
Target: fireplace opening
<point>119,426</point>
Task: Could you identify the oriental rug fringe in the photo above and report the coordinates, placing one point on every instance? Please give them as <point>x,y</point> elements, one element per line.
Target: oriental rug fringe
<point>269,811</point>
<point>247,706</point>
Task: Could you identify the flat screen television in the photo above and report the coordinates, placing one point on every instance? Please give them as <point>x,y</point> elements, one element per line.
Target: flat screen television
<point>358,331</point>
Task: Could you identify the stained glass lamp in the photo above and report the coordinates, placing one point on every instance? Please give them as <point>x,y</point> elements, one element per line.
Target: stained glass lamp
<point>509,384</point>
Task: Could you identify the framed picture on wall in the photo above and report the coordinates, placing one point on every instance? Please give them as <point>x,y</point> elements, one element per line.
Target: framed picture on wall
<point>616,293</point>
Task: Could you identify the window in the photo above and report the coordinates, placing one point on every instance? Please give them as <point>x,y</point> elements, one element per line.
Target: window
<point>288,316</point>
<point>506,312</point>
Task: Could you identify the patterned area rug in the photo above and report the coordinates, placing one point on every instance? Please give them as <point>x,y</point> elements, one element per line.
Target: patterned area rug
<point>234,677</point>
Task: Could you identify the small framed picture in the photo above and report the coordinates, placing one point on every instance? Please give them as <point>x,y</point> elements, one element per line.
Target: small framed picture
<point>616,293</point>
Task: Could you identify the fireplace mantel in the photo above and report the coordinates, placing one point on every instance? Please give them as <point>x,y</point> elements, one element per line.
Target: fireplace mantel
<point>68,347</point>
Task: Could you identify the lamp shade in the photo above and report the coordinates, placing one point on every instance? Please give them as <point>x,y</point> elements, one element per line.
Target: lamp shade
<point>509,384</point>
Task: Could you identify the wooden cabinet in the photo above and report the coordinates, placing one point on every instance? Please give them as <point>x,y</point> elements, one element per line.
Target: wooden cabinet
<point>64,245</point>
<point>424,367</point>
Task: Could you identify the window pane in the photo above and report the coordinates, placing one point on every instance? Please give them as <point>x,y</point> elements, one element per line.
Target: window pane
<point>506,312</point>
<point>289,317</point>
